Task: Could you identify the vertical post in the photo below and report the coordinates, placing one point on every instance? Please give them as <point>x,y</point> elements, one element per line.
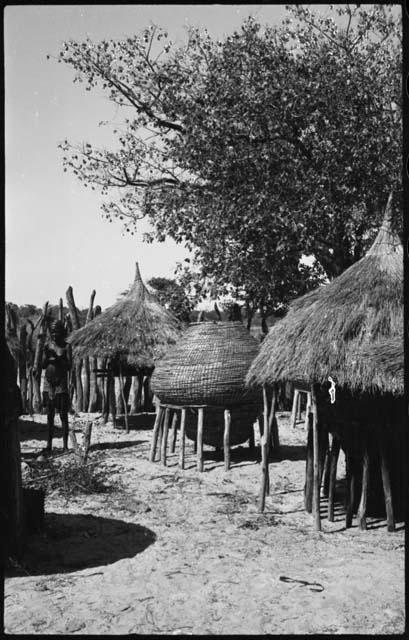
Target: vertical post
<point>336,445</point>
<point>325,473</point>
<point>365,482</point>
<point>272,422</point>
<point>316,486</point>
<point>307,410</point>
<point>264,453</point>
<point>349,478</point>
<point>251,439</point>
<point>294,408</point>
<point>299,406</point>
<point>174,431</point>
<point>121,385</point>
<point>309,468</point>
<point>226,439</point>
<point>182,439</point>
<point>165,436</point>
<point>155,432</point>
<point>386,481</point>
<point>200,439</point>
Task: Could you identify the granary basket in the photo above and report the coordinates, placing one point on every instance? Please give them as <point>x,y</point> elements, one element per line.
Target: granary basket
<point>241,428</point>
<point>207,366</point>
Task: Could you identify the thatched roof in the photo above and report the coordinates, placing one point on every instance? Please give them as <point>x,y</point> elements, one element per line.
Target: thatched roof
<point>325,330</point>
<point>136,330</point>
<point>208,365</point>
<point>386,357</point>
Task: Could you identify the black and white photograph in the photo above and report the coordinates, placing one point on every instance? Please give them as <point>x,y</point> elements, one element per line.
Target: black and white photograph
<point>204,420</point>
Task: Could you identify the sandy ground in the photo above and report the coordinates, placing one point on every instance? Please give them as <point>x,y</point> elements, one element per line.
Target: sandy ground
<point>183,552</point>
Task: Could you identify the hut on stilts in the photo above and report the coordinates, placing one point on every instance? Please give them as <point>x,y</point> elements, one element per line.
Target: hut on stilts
<point>343,342</point>
<point>130,335</point>
<point>201,382</point>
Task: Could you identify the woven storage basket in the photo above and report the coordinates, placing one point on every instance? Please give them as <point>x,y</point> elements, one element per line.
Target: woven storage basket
<point>208,365</point>
<point>242,420</point>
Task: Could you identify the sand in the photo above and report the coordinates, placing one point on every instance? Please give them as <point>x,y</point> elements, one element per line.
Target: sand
<point>182,552</point>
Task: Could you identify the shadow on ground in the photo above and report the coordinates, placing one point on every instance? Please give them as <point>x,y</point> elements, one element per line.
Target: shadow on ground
<point>32,430</point>
<point>138,421</point>
<point>104,446</point>
<point>80,541</point>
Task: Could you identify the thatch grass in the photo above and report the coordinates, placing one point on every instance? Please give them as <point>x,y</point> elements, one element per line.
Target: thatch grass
<point>325,331</point>
<point>208,365</point>
<point>387,359</point>
<point>135,331</point>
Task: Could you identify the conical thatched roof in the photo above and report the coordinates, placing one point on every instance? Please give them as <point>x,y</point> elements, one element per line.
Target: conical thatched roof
<point>208,365</point>
<point>386,357</point>
<point>136,330</point>
<point>324,332</point>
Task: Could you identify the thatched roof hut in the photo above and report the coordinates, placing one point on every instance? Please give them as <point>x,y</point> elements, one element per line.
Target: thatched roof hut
<point>343,331</point>
<point>325,330</point>
<point>134,332</point>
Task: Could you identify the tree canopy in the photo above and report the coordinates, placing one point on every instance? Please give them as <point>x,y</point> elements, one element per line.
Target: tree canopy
<point>271,143</point>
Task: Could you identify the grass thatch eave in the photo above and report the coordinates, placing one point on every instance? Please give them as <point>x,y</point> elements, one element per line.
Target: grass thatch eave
<point>324,332</point>
<point>135,331</point>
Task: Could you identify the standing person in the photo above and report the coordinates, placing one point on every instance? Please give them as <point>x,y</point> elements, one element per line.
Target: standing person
<point>57,363</point>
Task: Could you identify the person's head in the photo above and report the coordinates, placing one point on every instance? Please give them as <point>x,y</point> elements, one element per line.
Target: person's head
<point>57,331</point>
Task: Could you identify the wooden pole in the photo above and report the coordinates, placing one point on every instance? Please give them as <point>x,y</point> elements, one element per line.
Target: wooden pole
<point>307,410</point>
<point>61,311</point>
<point>37,368</point>
<point>309,467</point>
<point>333,463</point>
<point>350,479</point>
<point>348,487</point>
<point>182,439</point>
<point>78,361</point>
<point>174,428</point>
<point>299,406</point>
<point>155,432</point>
<point>121,384</point>
<point>273,434</point>
<point>325,474</point>
<point>365,483</point>
<point>316,453</point>
<point>200,416</point>
<point>386,481</point>
<point>251,440</point>
<point>226,439</point>
<point>165,436</point>
<point>294,408</point>
<point>87,439</point>
<point>22,367</point>
<point>264,454</point>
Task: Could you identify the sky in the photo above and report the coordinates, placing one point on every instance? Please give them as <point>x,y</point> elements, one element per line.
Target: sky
<point>55,233</point>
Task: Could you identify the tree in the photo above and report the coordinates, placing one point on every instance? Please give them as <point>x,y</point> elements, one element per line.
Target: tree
<point>172,296</point>
<point>273,143</point>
